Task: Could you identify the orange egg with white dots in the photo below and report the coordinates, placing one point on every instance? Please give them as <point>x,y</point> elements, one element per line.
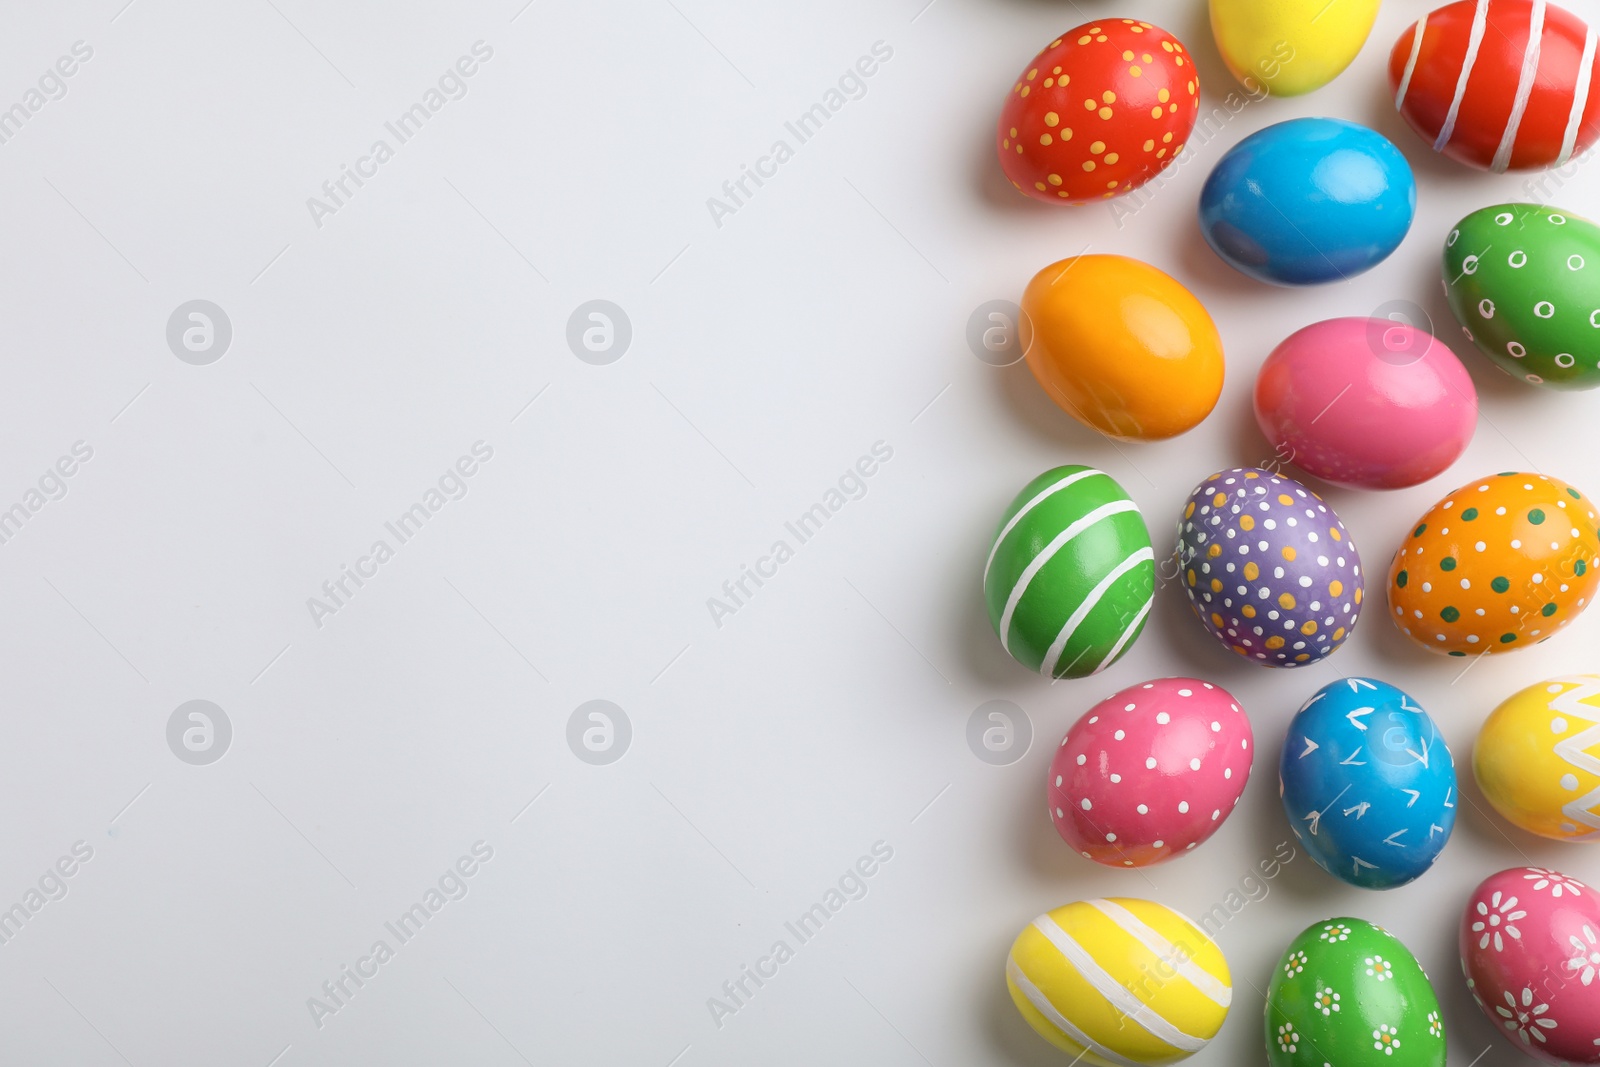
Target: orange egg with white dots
<point>1102,110</point>
<point>1500,564</point>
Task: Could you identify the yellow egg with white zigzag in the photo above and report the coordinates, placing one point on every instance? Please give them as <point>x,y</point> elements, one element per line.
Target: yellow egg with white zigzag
<point>1537,759</point>
<point>1120,981</point>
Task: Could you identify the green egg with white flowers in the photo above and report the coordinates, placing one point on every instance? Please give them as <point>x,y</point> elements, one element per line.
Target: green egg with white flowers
<point>1523,281</point>
<point>1347,991</point>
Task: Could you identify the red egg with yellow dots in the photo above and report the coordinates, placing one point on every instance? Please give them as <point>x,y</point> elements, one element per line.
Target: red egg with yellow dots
<point>1102,110</point>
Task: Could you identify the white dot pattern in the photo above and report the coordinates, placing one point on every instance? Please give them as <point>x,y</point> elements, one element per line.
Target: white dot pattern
<point>1150,772</point>
<point>1269,568</point>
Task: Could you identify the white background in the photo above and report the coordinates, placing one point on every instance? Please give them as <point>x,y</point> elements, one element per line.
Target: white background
<point>768,354</point>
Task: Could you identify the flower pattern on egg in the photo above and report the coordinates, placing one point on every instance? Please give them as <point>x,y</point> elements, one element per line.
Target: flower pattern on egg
<point>1497,915</point>
<point>1558,883</point>
<point>1586,956</point>
<point>1527,1018</point>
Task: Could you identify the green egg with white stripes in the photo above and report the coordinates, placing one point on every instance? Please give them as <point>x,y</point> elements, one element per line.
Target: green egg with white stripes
<point>1070,576</point>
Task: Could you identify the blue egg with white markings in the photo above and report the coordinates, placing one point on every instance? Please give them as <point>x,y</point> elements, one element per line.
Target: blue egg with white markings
<point>1308,201</point>
<point>1368,783</point>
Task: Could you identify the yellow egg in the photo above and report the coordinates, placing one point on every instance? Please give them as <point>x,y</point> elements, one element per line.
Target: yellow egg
<point>1537,759</point>
<point>1290,47</point>
<point>1119,982</point>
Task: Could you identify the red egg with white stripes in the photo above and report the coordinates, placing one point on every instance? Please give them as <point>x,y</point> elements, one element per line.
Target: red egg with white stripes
<point>1150,772</point>
<point>1500,84</point>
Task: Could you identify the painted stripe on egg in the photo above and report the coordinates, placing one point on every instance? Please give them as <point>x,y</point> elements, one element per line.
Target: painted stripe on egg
<point>1062,536</point>
<point>1574,750</point>
<point>1411,62</point>
<point>1480,20</point>
<point>1580,98</point>
<point>1121,999</point>
<point>1039,498</point>
<point>1219,993</point>
<point>1037,564</point>
<point>1090,602</point>
<point>1042,1005</point>
<point>1525,80</point>
<point>1127,635</point>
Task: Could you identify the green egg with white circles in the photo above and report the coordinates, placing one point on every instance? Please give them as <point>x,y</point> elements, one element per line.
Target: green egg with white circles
<point>1523,281</point>
<point>1071,575</point>
<point>1348,992</point>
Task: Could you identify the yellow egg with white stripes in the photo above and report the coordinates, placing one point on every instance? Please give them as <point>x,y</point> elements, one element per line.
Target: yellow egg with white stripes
<point>1120,982</point>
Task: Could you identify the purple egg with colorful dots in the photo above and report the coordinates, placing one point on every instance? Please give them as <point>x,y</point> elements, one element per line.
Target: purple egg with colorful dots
<point>1270,570</point>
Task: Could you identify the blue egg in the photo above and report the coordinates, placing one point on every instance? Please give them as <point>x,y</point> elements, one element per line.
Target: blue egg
<point>1368,783</point>
<point>1308,201</point>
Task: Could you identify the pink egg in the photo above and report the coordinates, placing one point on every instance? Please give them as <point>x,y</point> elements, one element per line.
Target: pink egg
<point>1369,403</point>
<point>1151,772</point>
<point>1530,948</point>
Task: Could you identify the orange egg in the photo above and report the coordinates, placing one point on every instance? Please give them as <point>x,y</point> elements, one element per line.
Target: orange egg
<point>1122,347</point>
<point>1501,563</point>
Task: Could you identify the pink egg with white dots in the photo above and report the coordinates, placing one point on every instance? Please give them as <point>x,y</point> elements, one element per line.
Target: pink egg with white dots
<point>1151,772</point>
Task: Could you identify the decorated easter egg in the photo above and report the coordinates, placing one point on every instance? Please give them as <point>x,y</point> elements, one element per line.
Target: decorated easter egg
<point>1500,564</point>
<point>1347,991</point>
<point>1499,84</point>
<point>1102,110</point>
<point>1308,201</point>
<point>1270,570</point>
<point>1371,403</point>
<point>1151,772</point>
<point>1070,576</point>
<point>1290,47</point>
<point>1122,347</point>
<point>1524,283</point>
<point>1368,784</point>
<point>1537,759</point>
<point>1119,981</point>
<point>1530,950</point>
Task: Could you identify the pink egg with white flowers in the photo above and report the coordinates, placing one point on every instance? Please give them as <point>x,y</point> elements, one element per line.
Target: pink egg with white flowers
<point>1150,773</point>
<point>1370,403</point>
<point>1530,949</point>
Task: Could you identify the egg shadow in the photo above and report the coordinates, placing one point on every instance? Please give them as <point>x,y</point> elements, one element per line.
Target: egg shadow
<point>1083,11</point>
<point>1400,655</point>
<point>1495,387</point>
<point>996,190</point>
<point>1010,1036</point>
<point>1509,845</point>
<point>1268,827</point>
<point>983,661</point>
<point>1430,168</point>
<point>1201,44</point>
<point>1247,445</point>
<point>1043,851</point>
<point>1191,649</point>
<point>1044,418</point>
<point>1211,276</point>
<point>1047,855</point>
